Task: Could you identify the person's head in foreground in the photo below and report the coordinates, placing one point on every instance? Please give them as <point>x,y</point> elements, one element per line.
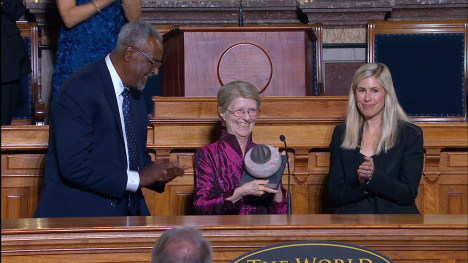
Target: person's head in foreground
<point>181,244</point>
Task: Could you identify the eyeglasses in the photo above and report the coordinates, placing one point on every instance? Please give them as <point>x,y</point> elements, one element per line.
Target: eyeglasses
<point>154,64</point>
<point>240,113</point>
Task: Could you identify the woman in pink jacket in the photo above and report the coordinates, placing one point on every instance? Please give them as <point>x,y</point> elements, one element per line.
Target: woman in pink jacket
<point>219,166</point>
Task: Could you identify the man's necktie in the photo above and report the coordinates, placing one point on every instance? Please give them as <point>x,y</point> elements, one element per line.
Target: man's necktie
<point>130,133</point>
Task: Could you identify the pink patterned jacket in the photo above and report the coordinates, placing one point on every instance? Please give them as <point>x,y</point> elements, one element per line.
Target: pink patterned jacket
<point>218,169</point>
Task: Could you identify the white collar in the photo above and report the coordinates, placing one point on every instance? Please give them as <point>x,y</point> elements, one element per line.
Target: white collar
<point>116,80</point>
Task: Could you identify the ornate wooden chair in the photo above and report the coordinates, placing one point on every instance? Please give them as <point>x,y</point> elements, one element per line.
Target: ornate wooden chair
<point>428,62</point>
<point>318,60</point>
<point>30,109</point>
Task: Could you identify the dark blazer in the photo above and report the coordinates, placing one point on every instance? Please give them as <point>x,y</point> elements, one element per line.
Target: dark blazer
<point>394,185</point>
<point>15,58</point>
<point>85,171</point>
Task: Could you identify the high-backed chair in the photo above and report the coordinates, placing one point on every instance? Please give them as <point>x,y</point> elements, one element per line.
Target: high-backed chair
<point>428,62</point>
<point>30,108</point>
<point>319,88</point>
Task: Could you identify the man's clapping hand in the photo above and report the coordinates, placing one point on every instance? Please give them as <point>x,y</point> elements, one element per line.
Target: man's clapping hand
<point>161,172</point>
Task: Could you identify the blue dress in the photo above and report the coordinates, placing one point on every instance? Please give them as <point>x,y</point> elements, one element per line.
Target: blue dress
<point>87,41</point>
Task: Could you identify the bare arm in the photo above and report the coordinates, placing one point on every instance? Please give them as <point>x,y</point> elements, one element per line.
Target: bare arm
<point>72,14</point>
<point>132,9</point>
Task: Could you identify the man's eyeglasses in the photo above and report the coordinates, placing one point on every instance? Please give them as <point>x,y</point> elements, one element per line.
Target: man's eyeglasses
<point>240,113</point>
<point>154,64</point>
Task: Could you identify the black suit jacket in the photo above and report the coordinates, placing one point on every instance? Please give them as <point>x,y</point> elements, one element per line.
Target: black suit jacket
<point>85,172</point>
<point>394,185</point>
<point>15,58</point>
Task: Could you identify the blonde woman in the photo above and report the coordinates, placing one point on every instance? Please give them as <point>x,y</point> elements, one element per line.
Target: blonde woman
<point>377,156</point>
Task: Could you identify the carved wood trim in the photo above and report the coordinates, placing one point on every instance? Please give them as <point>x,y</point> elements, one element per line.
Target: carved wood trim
<point>130,239</point>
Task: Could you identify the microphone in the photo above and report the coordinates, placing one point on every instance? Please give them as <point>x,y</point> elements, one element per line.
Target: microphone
<point>282,138</point>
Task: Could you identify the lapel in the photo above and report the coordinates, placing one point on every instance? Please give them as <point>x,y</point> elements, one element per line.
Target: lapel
<point>354,158</point>
<point>358,157</point>
<point>109,91</point>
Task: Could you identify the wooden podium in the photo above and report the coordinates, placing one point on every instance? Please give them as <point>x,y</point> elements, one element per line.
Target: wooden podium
<point>279,61</point>
<point>403,238</point>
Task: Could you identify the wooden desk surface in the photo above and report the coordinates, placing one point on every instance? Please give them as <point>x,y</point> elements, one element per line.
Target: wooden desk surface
<point>300,221</point>
<point>130,239</point>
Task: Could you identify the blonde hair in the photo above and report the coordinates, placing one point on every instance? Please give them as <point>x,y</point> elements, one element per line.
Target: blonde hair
<point>234,90</point>
<point>392,113</point>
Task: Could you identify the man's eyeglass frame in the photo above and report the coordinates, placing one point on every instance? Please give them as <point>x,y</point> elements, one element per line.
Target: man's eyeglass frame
<point>154,64</point>
<point>243,112</point>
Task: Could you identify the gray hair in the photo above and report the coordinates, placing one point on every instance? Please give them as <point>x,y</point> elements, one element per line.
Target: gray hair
<point>234,90</point>
<point>182,244</point>
<point>134,32</point>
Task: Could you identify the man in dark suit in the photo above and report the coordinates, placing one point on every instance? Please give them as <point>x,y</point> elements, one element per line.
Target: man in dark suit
<point>87,171</point>
<point>15,58</point>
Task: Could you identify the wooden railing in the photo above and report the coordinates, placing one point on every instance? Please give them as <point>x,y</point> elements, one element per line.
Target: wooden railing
<point>182,125</point>
<point>403,238</point>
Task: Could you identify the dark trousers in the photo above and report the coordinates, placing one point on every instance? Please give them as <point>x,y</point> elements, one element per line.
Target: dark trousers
<point>10,94</point>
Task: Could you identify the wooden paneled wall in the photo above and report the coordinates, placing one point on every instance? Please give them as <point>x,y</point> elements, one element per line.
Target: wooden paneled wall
<point>206,58</point>
<point>403,238</point>
<point>182,125</point>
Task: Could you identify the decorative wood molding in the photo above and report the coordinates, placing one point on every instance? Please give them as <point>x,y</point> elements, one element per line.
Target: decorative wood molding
<point>262,55</point>
<point>130,239</point>
<point>191,122</point>
<point>345,14</point>
<point>25,137</point>
<point>429,10</point>
<point>332,14</point>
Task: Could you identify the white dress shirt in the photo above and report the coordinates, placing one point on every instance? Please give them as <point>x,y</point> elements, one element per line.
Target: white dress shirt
<point>133,178</point>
